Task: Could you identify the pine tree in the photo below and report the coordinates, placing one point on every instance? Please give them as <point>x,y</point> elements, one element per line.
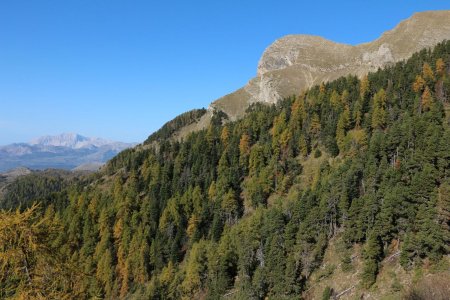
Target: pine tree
<point>31,267</point>
<point>303,145</point>
<point>230,207</point>
<point>315,126</point>
<point>418,84</point>
<point>427,99</point>
<point>225,135</point>
<point>443,212</point>
<point>430,240</point>
<point>342,126</point>
<point>357,114</point>
<point>372,255</point>
<point>379,110</point>
<point>192,225</point>
<point>364,87</point>
<point>427,72</point>
<point>440,67</point>
<point>196,269</point>
<point>335,99</point>
<point>244,144</point>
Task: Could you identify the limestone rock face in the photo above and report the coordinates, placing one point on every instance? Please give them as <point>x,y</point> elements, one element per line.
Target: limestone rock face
<point>297,62</point>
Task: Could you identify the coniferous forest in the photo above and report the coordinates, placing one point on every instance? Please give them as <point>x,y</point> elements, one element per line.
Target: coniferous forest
<point>246,209</point>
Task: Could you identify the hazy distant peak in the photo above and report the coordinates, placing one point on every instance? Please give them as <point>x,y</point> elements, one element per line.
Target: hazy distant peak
<point>66,151</point>
<point>70,140</point>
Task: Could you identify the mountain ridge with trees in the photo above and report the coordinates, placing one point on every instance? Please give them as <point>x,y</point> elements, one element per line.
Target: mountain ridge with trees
<point>248,209</point>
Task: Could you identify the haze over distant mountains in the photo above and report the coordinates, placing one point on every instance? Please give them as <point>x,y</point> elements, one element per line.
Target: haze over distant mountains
<point>65,151</point>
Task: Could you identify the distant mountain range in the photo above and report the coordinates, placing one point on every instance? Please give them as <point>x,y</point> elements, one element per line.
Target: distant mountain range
<point>65,151</point>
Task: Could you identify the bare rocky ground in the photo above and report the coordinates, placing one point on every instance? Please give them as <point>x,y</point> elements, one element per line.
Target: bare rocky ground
<point>295,63</point>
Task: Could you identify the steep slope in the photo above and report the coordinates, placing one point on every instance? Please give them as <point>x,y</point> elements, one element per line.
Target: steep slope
<point>256,208</point>
<point>297,62</point>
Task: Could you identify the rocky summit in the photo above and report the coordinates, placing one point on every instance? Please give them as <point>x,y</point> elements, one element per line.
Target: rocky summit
<point>296,62</point>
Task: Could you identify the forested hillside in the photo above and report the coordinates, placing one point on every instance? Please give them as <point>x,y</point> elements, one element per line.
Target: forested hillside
<point>247,209</point>
<point>46,187</point>
<point>168,129</point>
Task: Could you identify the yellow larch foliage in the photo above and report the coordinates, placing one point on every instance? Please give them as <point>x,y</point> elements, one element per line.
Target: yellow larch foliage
<point>30,266</point>
<point>418,84</point>
<point>364,87</point>
<point>427,99</point>
<point>244,144</point>
<point>334,99</point>
<point>225,135</point>
<point>440,67</point>
<point>427,72</point>
<point>192,225</point>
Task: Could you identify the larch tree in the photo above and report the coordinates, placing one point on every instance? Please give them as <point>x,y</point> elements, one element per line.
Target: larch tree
<point>418,84</point>
<point>379,110</point>
<point>440,67</point>
<point>427,99</point>
<point>30,266</point>
<point>427,73</point>
<point>364,87</point>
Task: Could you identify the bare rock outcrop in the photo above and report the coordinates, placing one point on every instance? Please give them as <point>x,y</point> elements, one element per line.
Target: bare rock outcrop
<point>297,62</point>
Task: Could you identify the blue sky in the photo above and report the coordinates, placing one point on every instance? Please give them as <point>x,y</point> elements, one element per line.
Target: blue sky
<point>121,69</point>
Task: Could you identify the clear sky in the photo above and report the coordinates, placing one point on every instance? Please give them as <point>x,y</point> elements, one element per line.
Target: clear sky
<point>121,69</point>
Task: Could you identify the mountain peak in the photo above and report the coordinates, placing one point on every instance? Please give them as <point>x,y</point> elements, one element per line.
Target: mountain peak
<point>297,62</point>
<point>66,151</point>
<point>70,140</point>
<point>294,49</point>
